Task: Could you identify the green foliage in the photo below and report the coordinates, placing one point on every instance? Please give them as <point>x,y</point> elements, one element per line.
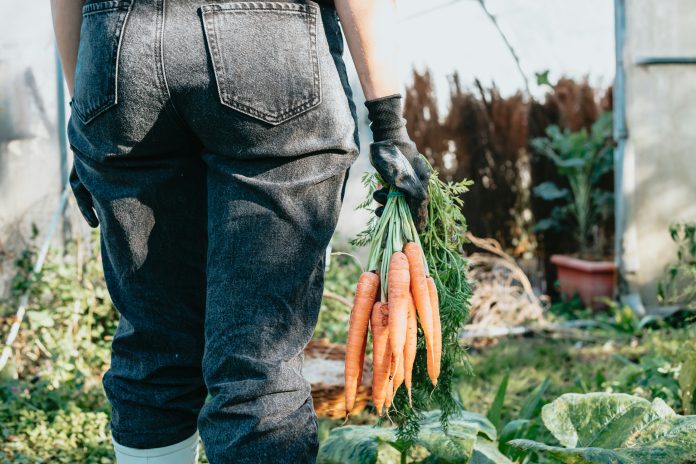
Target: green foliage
<point>593,363</point>
<point>652,376</point>
<point>442,242</point>
<point>531,406</point>
<point>615,319</point>
<point>600,428</point>
<point>525,426</point>
<point>53,409</point>
<point>52,406</point>
<point>339,285</point>
<point>583,158</point>
<point>542,369</point>
<point>497,405</point>
<point>360,444</point>
<point>593,428</point>
<point>687,379</point>
<point>542,78</point>
<point>678,285</point>
<point>469,437</point>
<point>570,308</point>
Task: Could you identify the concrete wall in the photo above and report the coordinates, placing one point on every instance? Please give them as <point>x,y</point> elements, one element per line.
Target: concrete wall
<point>660,160</point>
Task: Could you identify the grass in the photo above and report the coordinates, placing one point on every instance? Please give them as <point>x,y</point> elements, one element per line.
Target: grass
<point>646,366</point>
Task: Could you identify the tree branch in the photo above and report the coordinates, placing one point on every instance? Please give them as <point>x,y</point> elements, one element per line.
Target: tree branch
<point>507,44</point>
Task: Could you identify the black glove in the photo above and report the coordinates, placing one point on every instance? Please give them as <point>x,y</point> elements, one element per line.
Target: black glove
<point>83,199</point>
<point>395,157</point>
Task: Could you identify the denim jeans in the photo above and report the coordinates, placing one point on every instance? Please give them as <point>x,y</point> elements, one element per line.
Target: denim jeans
<point>215,140</point>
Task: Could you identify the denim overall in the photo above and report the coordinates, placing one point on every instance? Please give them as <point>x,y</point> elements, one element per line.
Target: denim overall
<point>215,140</point>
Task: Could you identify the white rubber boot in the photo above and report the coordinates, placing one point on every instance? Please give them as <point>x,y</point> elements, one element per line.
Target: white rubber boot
<point>185,452</point>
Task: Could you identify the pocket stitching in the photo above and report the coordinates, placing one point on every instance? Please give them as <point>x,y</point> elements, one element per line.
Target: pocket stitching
<point>307,12</point>
<point>104,7</point>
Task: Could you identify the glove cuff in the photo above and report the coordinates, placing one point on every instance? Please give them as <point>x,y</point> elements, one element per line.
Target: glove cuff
<point>387,122</point>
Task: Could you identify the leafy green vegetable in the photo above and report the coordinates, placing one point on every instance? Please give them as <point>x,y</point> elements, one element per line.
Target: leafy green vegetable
<point>486,452</point>
<point>600,428</point>
<point>359,444</point>
<point>469,437</point>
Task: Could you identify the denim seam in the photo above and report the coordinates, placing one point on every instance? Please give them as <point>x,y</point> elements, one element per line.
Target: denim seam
<point>162,74</point>
<point>106,7</point>
<point>118,49</point>
<point>308,12</point>
<point>251,6</point>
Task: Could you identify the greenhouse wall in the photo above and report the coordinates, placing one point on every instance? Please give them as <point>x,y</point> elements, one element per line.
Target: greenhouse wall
<point>659,167</point>
<point>30,174</point>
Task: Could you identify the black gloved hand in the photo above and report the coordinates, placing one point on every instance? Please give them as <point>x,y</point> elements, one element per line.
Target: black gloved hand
<point>395,157</point>
<point>83,199</point>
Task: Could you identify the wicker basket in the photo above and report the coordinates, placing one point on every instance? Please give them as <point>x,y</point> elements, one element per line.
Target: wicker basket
<point>323,367</point>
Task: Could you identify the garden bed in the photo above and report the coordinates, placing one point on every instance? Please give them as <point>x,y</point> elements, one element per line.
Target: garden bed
<point>53,409</point>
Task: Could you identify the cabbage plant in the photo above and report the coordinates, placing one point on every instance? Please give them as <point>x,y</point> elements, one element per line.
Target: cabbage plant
<point>604,428</point>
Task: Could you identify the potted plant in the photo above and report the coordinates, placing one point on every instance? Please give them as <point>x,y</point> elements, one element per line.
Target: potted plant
<point>583,158</point>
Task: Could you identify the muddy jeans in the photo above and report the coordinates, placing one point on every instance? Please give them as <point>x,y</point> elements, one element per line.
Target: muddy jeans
<point>215,140</point>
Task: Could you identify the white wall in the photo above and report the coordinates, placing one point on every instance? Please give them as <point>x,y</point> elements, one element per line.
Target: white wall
<point>660,168</point>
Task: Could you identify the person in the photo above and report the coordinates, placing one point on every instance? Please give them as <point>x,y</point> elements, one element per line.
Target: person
<point>212,142</point>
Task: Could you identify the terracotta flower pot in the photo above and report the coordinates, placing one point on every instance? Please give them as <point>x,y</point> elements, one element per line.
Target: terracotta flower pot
<point>590,279</point>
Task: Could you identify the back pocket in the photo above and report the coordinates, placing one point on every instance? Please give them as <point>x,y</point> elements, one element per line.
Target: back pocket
<point>265,57</point>
<point>96,74</point>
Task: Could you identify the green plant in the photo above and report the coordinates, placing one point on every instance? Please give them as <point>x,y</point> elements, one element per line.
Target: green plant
<point>687,379</point>
<point>583,158</point>
<point>622,319</point>
<point>601,428</point>
<point>570,308</point>
<point>592,428</point>
<point>526,425</point>
<point>653,376</point>
<point>469,437</point>
<point>616,319</point>
<point>678,285</point>
<point>52,406</point>
<point>496,409</point>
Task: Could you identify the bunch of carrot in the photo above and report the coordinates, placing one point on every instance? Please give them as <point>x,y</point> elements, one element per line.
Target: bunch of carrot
<point>391,297</point>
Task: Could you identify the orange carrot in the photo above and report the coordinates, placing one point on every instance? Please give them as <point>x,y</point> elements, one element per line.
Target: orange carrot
<point>362,363</point>
<point>437,331</point>
<point>379,324</point>
<point>398,282</point>
<point>419,290</point>
<point>389,397</point>
<point>398,378</point>
<point>410,348</point>
<point>392,364</point>
<point>365,296</point>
